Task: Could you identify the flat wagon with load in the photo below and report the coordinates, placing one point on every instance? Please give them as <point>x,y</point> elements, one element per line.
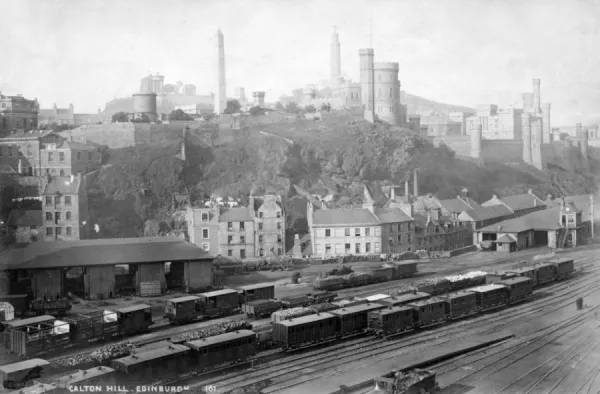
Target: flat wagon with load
<point>230,347</point>
<point>295,301</point>
<point>152,365</point>
<point>404,299</point>
<point>291,313</point>
<point>302,331</point>
<point>260,291</point>
<point>323,296</point>
<point>134,319</point>
<point>93,326</point>
<point>219,303</point>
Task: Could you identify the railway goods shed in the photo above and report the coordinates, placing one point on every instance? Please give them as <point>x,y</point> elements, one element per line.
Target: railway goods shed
<point>87,268</point>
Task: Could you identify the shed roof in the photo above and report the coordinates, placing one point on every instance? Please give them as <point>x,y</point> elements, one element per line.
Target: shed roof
<point>100,252</point>
<point>459,204</point>
<point>29,321</point>
<point>184,299</point>
<point>348,310</point>
<point>256,286</point>
<point>133,308</point>
<point>306,319</point>
<point>217,293</point>
<point>560,260</point>
<point>544,220</point>
<point>23,365</point>
<point>151,355</point>
<point>506,239</point>
<point>485,213</point>
<point>28,135</point>
<point>359,216</point>
<point>228,336</point>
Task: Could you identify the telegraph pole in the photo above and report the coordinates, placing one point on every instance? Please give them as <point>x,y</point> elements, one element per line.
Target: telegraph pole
<point>592,213</point>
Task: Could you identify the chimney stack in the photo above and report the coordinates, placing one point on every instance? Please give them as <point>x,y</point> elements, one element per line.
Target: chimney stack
<point>406,189</point>
<point>416,185</point>
<point>393,193</point>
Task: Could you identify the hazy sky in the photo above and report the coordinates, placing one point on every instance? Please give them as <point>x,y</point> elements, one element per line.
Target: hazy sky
<point>466,52</point>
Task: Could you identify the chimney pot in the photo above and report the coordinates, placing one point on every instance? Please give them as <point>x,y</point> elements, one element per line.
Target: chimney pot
<point>530,191</point>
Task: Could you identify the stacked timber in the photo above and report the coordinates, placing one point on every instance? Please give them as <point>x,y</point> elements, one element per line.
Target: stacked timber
<point>291,313</point>
<point>219,329</point>
<point>324,307</point>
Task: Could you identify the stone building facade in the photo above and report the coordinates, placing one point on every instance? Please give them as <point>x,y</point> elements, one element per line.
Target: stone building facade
<point>18,113</point>
<point>65,209</point>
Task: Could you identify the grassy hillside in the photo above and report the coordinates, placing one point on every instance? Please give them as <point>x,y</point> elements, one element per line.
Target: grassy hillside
<point>338,155</point>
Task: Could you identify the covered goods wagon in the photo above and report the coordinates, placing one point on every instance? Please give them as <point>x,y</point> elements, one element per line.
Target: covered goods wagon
<point>564,267</point>
<point>260,291</point>
<point>390,320</point>
<point>459,304</point>
<point>518,288</point>
<point>260,308</point>
<point>528,272</point>
<point>231,346</point>
<point>304,330</point>
<point>97,376</point>
<point>498,276</point>
<point>353,319</point>
<point>134,319</point>
<point>428,312</point>
<point>19,373</point>
<point>490,296</point>
<point>545,273</point>
<point>219,303</point>
<point>152,365</point>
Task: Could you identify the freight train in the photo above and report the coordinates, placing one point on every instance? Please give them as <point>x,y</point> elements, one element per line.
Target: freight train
<point>388,271</point>
<point>25,307</point>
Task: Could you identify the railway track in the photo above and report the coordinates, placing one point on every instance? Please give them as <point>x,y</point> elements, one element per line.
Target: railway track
<point>297,367</point>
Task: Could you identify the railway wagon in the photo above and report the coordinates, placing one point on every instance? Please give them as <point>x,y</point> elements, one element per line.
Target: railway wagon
<point>295,301</point>
<point>382,274</point>
<point>219,303</point>
<point>260,308</point>
<point>377,297</point>
<point>428,312</point>
<point>545,273</point>
<point>152,365</point>
<point>564,267</point>
<point>134,319</point>
<point>17,375</point>
<point>59,307</point>
<point>459,304</point>
<point>330,283</point>
<point>490,296</point>
<point>356,279</point>
<point>94,325</point>
<point>498,276</point>
<point>97,376</point>
<point>224,348</point>
<point>353,319</point>
<point>20,303</point>
<point>518,288</point>
<point>295,333</point>
<point>402,269</point>
<point>36,334</point>
<point>20,325</point>
<point>321,297</point>
<point>390,321</point>
<point>349,302</point>
<point>182,310</point>
<point>527,272</point>
<point>260,291</point>
<point>404,299</point>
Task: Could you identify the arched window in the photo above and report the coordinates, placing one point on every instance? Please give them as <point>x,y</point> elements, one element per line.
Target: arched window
<point>391,92</point>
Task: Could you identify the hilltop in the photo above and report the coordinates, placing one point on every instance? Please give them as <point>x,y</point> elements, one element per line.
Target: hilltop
<point>335,156</point>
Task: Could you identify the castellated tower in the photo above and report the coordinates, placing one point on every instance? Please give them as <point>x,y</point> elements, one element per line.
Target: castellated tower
<point>387,93</point>
<point>221,96</point>
<point>536,143</point>
<point>336,62</point>
<point>526,122</point>
<point>476,137</point>
<point>536,96</point>
<point>367,77</point>
<point>547,128</point>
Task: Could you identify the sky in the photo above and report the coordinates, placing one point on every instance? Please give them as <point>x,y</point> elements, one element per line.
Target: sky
<point>463,52</point>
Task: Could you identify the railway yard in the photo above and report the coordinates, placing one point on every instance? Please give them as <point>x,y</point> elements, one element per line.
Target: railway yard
<point>543,344</point>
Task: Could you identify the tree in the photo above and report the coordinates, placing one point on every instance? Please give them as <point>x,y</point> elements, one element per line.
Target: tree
<point>233,107</point>
<point>326,107</point>
<point>120,117</point>
<point>293,107</point>
<point>178,114</point>
<point>256,111</point>
<point>278,105</point>
<point>142,119</point>
<point>310,109</point>
<point>208,116</point>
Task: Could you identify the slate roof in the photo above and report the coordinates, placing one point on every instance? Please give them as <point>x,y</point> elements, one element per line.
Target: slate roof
<point>25,218</point>
<point>76,145</point>
<point>582,202</point>
<point>484,213</point>
<point>62,185</point>
<point>518,202</point>
<point>100,252</point>
<point>29,135</point>
<point>546,219</point>
<point>236,214</point>
<point>23,365</point>
<point>358,216</point>
<point>506,239</point>
<point>459,204</point>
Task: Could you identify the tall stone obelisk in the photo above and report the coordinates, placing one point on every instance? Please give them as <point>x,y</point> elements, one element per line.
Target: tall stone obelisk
<point>221,96</point>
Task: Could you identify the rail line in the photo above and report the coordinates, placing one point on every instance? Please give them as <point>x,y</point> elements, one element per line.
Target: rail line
<point>293,368</point>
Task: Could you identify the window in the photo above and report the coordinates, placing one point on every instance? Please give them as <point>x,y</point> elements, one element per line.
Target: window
<point>347,247</point>
<point>242,254</point>
<point>327,249</point>
<point>206,247</point>
<point>357,248</point>
<point>230,240</point>
<point>62,172</point>
<point>260,215</point>
<point>78,155</point>
<point>347,232</point>
<point>58,230</point>
<point>49,216</point>
<point>260,238</point>
<point>68,230</point>
<point>367,247</point>
<point>278,238</point>
<point>205,233</point>
<point>327,232</point>
<point>242,239</point>
<point>357,232</point>
<point>50,157</point>
<point>204,217</point>
<point>399,239</point>
<point>242,226</point>
<point>19,153</point>
<point>61,156</point>
<point>230,252</point>
<point>377,247</point>
<point>409,240</point>
<point>67,200</point>
<point>48,230</point>
<point>279,251</point>
<point>260,226</point>
<point>391,240</point>
<point>278,214</point>
<point>377,231</point>
<point>409,226</point>
<point>89,155</point>
<point>261,252</point>
<point>56,200</point>
<point>68,217</point>
<point>391,95</point>
<point>229,225</point>
<point>48,200</point>
<point>57,216</point>
<point>368,232</point>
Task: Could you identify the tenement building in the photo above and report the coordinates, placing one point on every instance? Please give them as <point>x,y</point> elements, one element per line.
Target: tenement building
<point>256,230</point>
<point>17,113</point>
<point>65,209</point>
